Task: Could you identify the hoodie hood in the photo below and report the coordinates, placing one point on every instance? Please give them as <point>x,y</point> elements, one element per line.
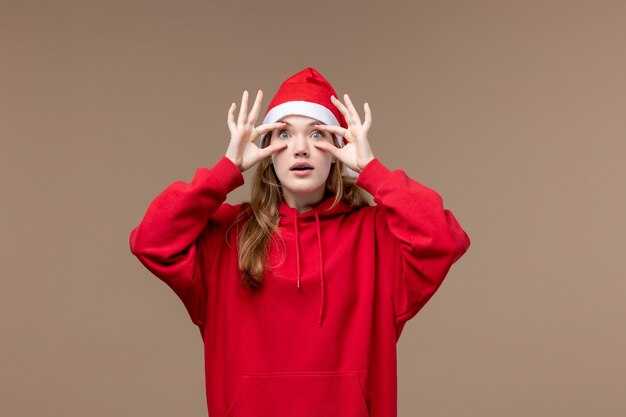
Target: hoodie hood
<point>289,216</point>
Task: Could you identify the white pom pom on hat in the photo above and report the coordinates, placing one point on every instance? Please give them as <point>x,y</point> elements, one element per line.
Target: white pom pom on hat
<point>307,93</point>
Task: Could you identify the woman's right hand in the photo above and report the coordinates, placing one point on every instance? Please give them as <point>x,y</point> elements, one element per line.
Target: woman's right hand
<point>242,150</point>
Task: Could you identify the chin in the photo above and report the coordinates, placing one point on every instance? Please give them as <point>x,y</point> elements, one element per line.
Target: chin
<point>303,189</point>
<point>302,186</point>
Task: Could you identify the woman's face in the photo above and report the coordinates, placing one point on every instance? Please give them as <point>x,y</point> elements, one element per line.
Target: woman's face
<point>300,134</point>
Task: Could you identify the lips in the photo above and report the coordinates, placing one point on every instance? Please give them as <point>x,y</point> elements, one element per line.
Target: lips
<point>301,166</point>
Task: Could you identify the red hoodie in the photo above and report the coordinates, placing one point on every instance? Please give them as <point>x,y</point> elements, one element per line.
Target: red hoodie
<point>319,338</point>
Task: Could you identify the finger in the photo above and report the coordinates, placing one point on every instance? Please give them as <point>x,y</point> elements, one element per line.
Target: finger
<point>368,116</point>
<point>270,126</point>
<point>254,113</point>
<point>332,149</point>
<point>338,130</point>
<point>243,110</point>
<point>269,150</point>
<point>353,113</point>
<point>231,116</point>
<point>259,130</point>
<point>341,108</point>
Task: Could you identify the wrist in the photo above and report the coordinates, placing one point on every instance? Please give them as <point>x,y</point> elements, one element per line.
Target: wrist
<point>367,162</point>
<point>234,162</point>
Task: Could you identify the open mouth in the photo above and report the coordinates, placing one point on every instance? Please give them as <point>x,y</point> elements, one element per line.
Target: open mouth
<point>301,171</point>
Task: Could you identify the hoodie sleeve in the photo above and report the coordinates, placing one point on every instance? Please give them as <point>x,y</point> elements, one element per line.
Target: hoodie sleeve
<point>416,236</point>
<point>171,237</point>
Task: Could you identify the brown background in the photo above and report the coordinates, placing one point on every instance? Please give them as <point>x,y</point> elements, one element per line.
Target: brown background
<point>512,110</point>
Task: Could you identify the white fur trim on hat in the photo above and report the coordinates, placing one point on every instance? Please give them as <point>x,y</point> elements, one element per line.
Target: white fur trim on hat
<point>303,108</point>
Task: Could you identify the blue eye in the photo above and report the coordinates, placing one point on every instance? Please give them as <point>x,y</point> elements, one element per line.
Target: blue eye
<point>319,134</point>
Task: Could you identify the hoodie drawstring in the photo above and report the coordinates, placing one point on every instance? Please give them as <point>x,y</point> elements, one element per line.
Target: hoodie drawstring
<point>319,241</point>
<point>295,225</point>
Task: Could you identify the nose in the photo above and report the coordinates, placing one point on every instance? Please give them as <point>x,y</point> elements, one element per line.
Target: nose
<point>300,146</point>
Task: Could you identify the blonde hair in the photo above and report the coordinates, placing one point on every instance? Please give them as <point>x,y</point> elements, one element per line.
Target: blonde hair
<point>261,214</point>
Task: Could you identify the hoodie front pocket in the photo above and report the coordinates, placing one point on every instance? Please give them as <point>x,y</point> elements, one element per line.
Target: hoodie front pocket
<point>302,394</point>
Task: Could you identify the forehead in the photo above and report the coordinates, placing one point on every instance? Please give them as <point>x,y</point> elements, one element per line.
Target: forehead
<point>296,120</point>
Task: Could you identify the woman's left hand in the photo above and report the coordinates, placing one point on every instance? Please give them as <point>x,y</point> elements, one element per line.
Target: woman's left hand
<point>357,153</point>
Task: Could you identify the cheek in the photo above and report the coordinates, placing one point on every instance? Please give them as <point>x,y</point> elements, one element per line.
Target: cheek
<point>325,155</point>
<point>279,160</point>
<point>275,157</point>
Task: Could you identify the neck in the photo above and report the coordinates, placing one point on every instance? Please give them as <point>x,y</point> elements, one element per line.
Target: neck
<point>304,202</point>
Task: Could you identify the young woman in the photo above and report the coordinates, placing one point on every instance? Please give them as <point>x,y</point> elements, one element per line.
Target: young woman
<point>301,294</point>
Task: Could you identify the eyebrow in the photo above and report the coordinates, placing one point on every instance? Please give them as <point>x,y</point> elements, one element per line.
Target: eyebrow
<point>310,124</point>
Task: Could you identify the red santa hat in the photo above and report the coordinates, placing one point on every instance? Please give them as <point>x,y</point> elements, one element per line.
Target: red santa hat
<point>307,93</point>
